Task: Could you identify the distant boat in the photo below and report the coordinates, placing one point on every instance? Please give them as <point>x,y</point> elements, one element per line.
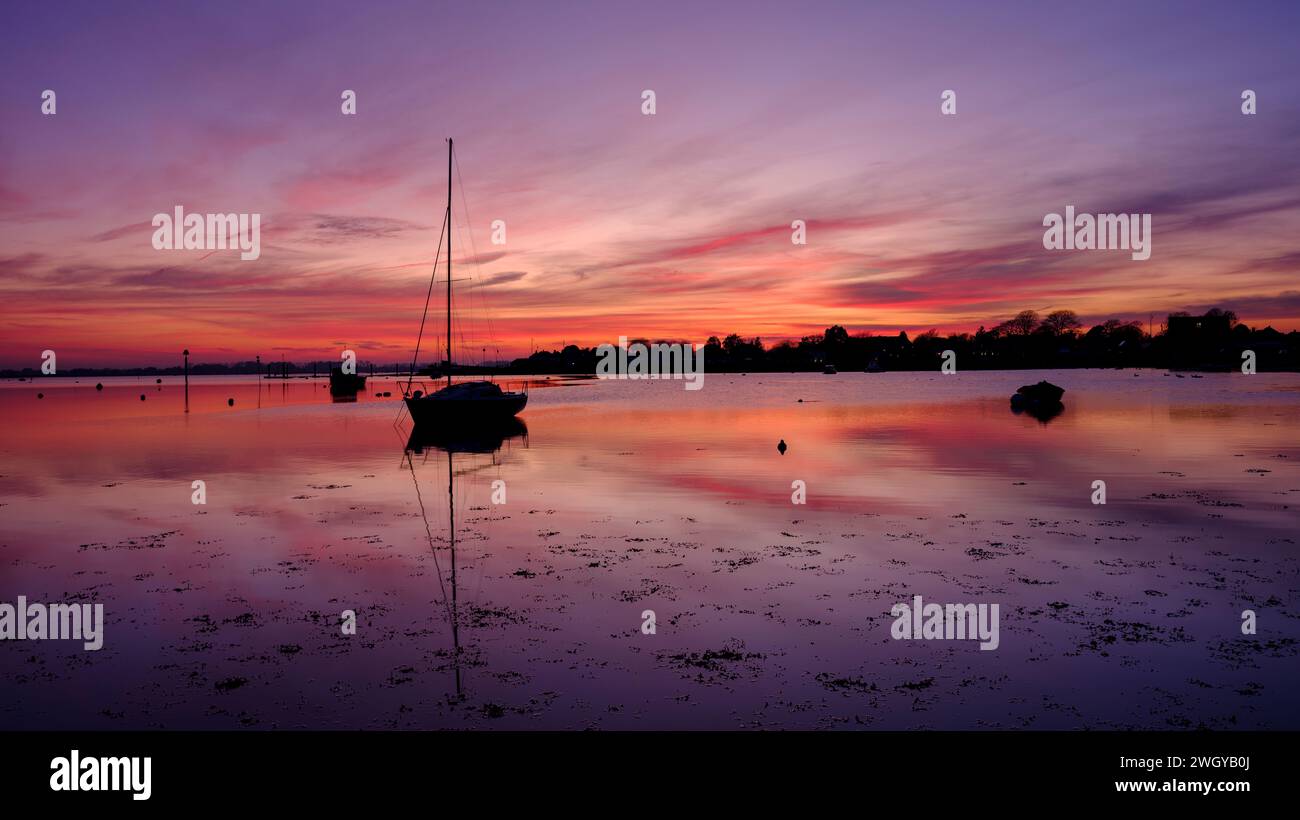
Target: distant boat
<point>1041,393</point>
<point>829,370</point>
<point>467,402</point>
<point>1041,400</point>
<point>874,367</point>
<point>345,384</point>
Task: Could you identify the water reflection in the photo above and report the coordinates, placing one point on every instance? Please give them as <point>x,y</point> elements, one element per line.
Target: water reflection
<point>480,439</point>
<point>1042,412</point>
<point>642,495</point>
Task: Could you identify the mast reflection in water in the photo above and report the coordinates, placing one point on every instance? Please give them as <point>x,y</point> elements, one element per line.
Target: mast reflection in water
<point>472,442</point>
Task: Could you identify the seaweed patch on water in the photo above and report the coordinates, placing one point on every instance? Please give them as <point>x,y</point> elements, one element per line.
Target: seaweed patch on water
<point>1110,633</point>
<point>1243,653</point>
<point>845,685</point>
<point>145,542</point>
<point>712,665</point>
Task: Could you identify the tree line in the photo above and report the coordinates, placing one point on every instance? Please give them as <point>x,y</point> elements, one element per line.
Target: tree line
<point>1214,341</point>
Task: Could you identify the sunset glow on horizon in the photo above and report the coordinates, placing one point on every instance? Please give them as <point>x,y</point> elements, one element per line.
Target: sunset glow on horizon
<point>671,226</point>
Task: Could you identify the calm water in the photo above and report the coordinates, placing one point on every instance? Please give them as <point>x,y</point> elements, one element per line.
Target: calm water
<point>622,497</point>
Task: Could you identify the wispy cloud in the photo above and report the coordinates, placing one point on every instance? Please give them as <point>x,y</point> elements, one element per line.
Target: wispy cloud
<point>676,225</point>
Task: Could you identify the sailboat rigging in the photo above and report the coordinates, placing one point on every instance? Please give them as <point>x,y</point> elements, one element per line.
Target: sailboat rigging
<point>466,402</point>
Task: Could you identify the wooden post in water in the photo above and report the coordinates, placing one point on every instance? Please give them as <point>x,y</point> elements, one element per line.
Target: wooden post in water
<point>186,354</point>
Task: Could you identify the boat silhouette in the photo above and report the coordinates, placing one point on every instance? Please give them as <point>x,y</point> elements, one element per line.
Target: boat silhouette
<point>1041,400</point>
<point>457,404</point>
<point>345,384</point>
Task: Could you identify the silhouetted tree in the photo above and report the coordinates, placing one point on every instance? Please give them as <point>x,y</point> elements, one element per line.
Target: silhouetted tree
<point>1062,323</point>
<point>1022,324</point>
<point>1228,314</point>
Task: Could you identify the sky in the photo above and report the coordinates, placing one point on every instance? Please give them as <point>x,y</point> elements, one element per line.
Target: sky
<point>675,225</point>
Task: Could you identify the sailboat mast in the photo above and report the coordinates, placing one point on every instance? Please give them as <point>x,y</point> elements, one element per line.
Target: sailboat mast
<point>455,610</point>
<point>449,149</point>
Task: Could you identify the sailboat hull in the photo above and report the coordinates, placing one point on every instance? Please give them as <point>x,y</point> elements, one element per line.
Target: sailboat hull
<point>433,410</point>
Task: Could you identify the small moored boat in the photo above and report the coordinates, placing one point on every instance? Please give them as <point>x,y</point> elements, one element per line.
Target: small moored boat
<point>345,384</point>
<point>1041,400</point>
<point>1043,393</point>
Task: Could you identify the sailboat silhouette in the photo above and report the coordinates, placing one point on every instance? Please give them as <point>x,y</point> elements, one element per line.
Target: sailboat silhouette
<point>467,402</point>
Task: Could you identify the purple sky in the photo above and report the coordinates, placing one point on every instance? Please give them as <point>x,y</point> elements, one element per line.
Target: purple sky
<point>673,225</point>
